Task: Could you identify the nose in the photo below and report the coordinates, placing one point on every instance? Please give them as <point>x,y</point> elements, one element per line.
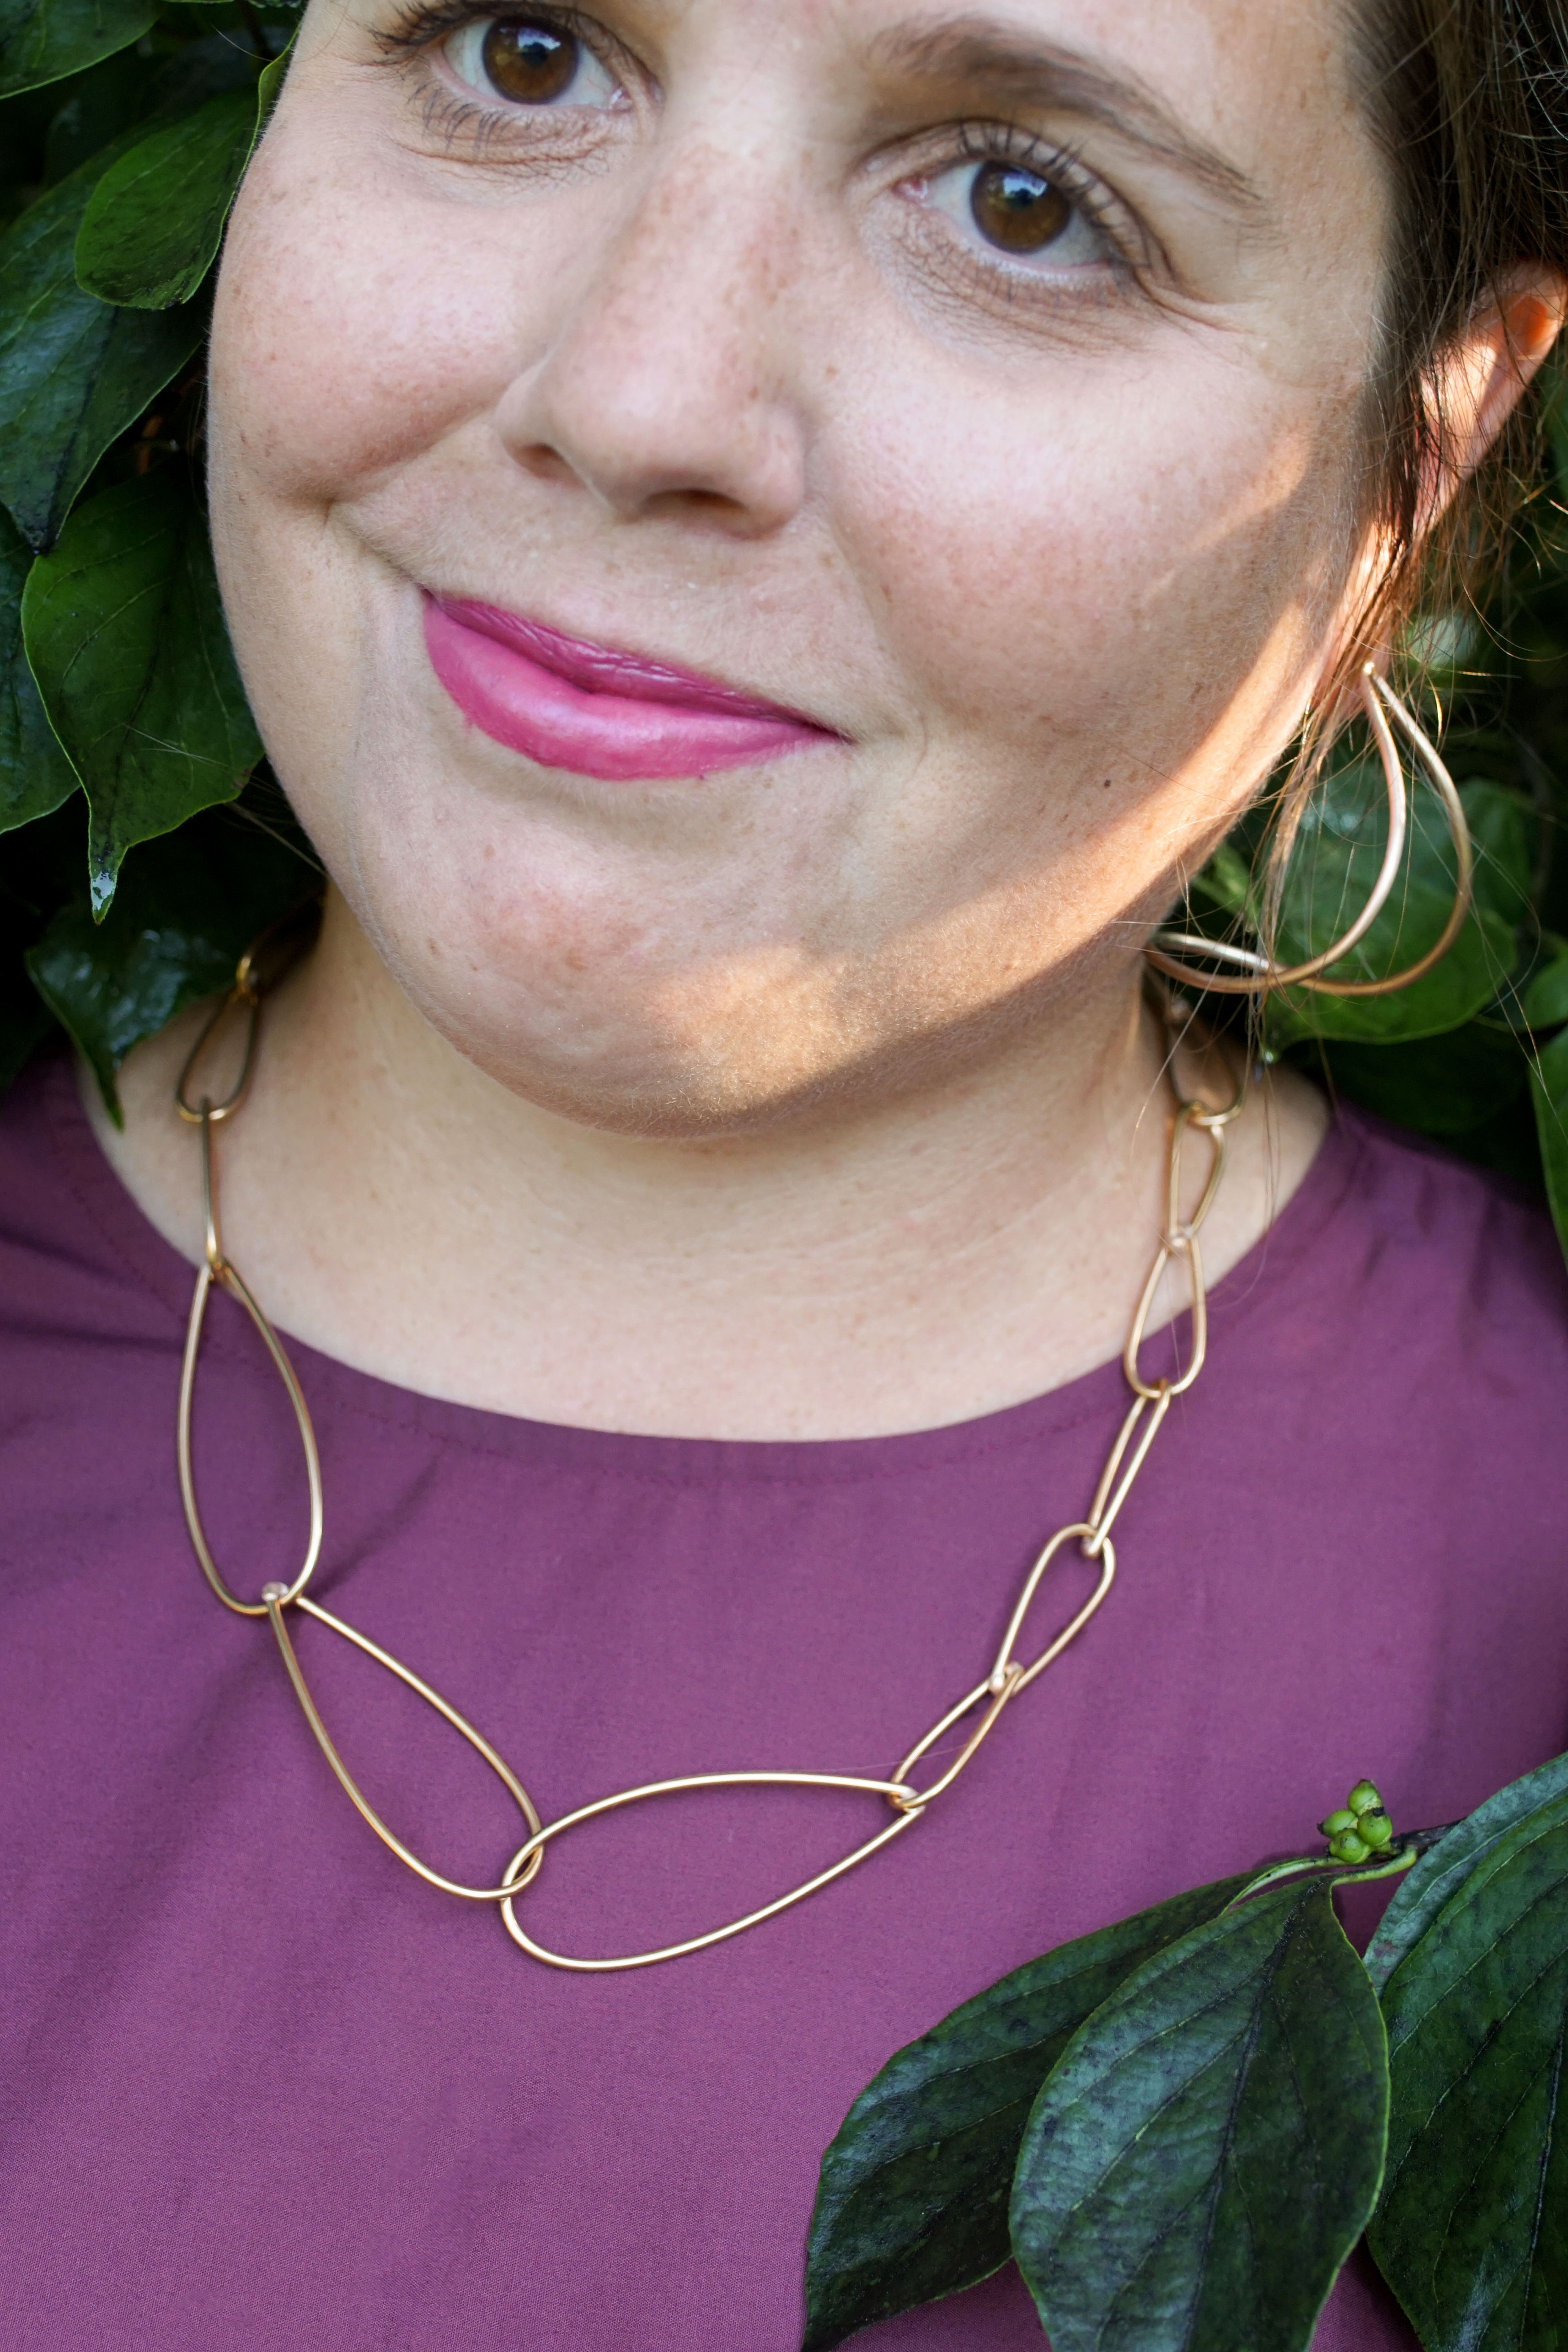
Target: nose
<point>665,389</point>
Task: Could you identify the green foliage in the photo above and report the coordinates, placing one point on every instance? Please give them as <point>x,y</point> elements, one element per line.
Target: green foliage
<point>35,774</point>
<point>43,40</point>
<point>1472,2231</point>
<point>126,638</point>
<point>172,936</point>
<point>153,222</point>
<point>1207,2145</point>
<point>1208,2149</point>
<point>74,371</point>
<point>913,2203</point>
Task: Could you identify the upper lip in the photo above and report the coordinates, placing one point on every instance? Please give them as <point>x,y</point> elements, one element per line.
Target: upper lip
<point>609,669</point>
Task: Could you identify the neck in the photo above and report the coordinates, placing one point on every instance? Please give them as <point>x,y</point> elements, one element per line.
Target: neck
<point>931,1257</point>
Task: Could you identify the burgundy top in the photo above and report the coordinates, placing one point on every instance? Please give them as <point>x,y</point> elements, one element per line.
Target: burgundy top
<point>265,2089</point>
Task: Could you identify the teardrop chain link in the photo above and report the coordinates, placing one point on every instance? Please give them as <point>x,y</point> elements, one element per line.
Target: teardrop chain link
<point>986,1702</point>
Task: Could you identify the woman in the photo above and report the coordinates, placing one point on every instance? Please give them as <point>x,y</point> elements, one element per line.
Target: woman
<point>764,545</point>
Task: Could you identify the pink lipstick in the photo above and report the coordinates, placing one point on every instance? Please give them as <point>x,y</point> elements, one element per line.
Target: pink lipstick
<point>593,710</point>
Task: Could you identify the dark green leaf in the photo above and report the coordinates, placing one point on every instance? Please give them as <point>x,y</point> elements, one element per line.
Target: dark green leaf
<point>155,220</point>
<point>1208,2151</point>
<point>35,774</point>
<point>1472,2231</point>
<point>1444,1867</point>
<point>1332,872</point>
<point>1549,1092</point>
<point>913,2203</point>
<point>1545,1003</point>
<point>43,40</point>
<point>24,1019</point>
<point>94,108</point>
<point>1439,1086</point>
<point>186,909</point>
<point>126,636</point>
<point>74,371</point>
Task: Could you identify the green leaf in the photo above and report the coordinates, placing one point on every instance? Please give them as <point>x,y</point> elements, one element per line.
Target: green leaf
<point>1331,873</point>
<point>1472,2231</point>
<point>155,220</point>
<point>1208,2149</point>
<point>74,371</point>
<point>913,2202</point>
<point>1439,1086</point>
<point>43,40</point>
<point>187,908</point>
<point>1444,1867</point>
<point>126,636</point>
<point>35,774</point>
<point>1545,999</point>
<point>1549,1093</point>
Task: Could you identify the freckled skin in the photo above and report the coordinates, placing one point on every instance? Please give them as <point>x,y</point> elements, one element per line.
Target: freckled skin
<point>817,1098</point>
<point>702,398</point>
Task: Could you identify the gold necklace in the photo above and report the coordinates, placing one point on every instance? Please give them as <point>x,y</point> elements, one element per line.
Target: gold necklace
<point>1007,1677</point>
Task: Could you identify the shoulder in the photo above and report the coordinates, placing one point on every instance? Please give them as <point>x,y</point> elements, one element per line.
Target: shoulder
<point>75,1259</point>
<point>1414,1268</point>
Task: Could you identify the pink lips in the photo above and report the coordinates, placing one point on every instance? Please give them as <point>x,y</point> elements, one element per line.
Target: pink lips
<point>592,710</point>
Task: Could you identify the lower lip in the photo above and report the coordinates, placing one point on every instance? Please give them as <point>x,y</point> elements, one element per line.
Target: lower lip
<point>615,735</point>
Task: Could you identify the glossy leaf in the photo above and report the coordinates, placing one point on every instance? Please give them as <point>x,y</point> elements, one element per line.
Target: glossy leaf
<point>913,2203</point>
<point>187,908</point>
<point>155,220</point>
<point>35,774</point>
<point>1545,1000</point>
<point>1472,2231</point>
<point>1442,1870</point>
<point>1443,1085</point>
<point>1210,2148</point>
<point>43,40</point>
<point>126,640</point>
<point>74,371</point>
<point>1331,873</point>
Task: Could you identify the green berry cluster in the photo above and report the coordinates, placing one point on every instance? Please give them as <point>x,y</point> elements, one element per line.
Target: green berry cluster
<point>1361,1830</point>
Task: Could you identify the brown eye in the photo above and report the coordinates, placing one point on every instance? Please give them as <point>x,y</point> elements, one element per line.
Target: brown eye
<point>531,64</point>
<point>1017,210</point>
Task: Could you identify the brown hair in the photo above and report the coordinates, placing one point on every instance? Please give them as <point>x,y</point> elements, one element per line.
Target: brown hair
<point>1467,103</point>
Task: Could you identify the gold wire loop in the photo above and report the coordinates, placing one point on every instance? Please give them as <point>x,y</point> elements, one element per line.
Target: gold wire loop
<point>1006,1666</point>
<point>1167,950</point>
<point>907,1799</point>
<point>533,1848</point>
<point>219,1271</point>
<point>239,999</point>
<point>274,1600</point>
<point>1102,1510</point>
<point>1008,1677</point>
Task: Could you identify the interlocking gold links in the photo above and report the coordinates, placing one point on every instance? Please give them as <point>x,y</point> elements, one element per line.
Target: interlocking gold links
<point>1009,1674</point>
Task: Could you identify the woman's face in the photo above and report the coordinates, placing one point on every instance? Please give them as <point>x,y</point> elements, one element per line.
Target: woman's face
<point>978,392</point>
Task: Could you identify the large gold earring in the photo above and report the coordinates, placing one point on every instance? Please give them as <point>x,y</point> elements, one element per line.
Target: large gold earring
<point>1259,973</point>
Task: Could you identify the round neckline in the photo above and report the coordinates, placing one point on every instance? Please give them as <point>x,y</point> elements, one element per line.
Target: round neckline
<point>1096,1395</point>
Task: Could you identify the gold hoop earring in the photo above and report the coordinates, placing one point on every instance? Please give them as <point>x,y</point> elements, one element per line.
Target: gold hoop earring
<point>1260,971</point>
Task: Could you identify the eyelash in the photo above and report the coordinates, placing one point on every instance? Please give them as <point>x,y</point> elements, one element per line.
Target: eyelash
<point>1005,143</point>
<point>423,25</point>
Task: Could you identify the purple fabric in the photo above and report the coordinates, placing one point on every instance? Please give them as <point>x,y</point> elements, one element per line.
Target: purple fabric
<point>263,2089</point>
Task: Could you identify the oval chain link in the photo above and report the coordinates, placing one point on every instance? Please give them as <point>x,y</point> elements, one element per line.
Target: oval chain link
<point>988,1699</point>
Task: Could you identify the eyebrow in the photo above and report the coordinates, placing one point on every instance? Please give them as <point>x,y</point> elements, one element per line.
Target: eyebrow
<point>989,57</point>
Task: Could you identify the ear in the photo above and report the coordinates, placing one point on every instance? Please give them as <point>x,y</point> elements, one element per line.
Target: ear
<point>1483,372</point>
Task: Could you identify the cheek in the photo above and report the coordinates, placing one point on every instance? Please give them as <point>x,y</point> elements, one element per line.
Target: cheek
<point>1122,554</point>
<point>352,328</point>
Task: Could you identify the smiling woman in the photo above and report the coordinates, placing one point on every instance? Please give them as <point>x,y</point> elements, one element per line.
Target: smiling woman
<point>764,547</point>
